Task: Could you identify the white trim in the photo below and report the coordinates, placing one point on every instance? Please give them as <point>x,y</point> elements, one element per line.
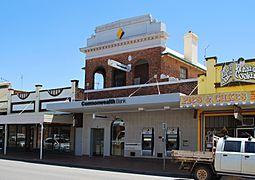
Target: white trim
<point>124,22</point>
<point>142,85</point>
<point>124,51</point>
<point>133,43</point>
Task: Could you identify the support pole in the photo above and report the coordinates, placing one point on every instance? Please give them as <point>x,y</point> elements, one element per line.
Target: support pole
<point>41,142</point>
<point>5,138</point>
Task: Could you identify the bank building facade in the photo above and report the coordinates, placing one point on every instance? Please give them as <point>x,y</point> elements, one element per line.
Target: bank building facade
<point>133,85</point>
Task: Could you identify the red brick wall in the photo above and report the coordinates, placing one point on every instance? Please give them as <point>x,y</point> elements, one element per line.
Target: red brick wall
<point>158,64</point>
<point>171,66</point>
<point>152,55</point>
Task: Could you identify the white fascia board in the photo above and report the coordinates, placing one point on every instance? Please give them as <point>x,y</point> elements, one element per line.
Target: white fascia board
<point>148,100</point>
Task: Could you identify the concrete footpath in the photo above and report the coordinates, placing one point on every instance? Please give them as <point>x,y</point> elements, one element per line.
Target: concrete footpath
<point>112,163</point>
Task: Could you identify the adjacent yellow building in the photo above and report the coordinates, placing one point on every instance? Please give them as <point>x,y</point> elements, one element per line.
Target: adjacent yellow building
<point>225,100</point>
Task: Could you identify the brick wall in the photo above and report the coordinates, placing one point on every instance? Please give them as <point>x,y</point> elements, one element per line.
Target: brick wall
<point>152,55</point>
<point>171,66</point>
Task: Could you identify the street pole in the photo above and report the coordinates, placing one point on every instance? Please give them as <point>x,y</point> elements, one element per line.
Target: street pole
<point>5,138</point>
<point>41,147</point>
<point>164,127</point>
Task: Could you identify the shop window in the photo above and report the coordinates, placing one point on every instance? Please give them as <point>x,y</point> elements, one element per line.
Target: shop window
<point>57,138</point>
<point>250,147</point>
<point>232,146</point>
<point>119,78</point>
<point>99,78</point>
<point>183,73</point>
<point>141,72</point>
<point>118,137</point>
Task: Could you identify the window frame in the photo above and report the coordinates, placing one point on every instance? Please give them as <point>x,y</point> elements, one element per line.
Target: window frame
<point>249,142</point>
<point>181,72</point>
<point>233,151</point>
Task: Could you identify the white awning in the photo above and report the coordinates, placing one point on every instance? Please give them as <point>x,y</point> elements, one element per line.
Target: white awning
<point>35,118</point>
<point>120,104</point>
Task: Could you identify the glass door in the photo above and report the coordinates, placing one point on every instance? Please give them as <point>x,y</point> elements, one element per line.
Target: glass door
<point>97,137</point>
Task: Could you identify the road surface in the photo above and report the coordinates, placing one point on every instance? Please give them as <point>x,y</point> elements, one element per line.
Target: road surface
<point>15,170</point>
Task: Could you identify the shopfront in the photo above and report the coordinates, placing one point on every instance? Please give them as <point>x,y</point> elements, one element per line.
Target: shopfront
<point>225,101</point>
<point>24,133</point>
<point>133,126</point>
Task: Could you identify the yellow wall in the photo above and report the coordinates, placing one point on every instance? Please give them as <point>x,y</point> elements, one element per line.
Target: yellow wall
<point>206,83</point>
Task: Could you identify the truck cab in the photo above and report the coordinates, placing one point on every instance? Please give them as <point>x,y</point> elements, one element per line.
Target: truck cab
<point>235,156</point>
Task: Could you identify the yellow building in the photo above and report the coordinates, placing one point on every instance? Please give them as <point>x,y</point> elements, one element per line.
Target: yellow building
<point>225,100</point>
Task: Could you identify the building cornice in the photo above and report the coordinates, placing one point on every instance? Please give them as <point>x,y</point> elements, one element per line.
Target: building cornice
<point>125,42</point>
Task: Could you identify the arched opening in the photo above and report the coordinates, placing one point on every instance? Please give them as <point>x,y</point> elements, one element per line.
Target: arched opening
<point>119,78</point>
<point>141,72</point>
<point>117,137</point>
<point>99,78</point>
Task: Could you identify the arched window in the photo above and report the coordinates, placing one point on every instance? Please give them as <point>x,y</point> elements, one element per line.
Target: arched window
<point>141,72</point>
<point>99,78</point>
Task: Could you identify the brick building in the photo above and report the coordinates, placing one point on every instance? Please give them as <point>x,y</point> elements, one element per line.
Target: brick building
<point>133,84</point>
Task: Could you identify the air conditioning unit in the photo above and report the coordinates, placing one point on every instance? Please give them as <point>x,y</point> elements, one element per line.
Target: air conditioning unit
<point>248,121</point>
<point>137,81</point>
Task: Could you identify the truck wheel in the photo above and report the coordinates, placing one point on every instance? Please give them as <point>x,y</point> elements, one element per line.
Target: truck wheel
<point>202,173</point>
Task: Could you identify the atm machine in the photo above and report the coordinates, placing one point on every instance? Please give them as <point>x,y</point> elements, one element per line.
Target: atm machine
<point>147,141</point>
<point>172,140</point>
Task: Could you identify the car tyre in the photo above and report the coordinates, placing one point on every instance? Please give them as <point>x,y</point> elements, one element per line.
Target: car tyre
<point>202,173</point>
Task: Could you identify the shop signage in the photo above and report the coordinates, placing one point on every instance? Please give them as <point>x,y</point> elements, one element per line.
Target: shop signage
<point>213,99</point>
<point>238,72</point>
<point>103,102</point>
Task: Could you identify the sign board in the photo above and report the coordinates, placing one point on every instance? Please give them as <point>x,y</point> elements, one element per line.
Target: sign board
<point>214,99</point>
<point>238,72</point>
<point>118,65</point>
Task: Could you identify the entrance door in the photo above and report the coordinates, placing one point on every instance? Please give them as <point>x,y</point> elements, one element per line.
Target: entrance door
<point>97,139</point>
<point>118,137</point>
<point>1,138</point>
<point>244,132</point>
<point>230,157</point>
<point>248,158</point>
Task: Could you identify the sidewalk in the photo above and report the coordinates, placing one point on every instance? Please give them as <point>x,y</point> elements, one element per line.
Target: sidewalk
<point>112,163</point>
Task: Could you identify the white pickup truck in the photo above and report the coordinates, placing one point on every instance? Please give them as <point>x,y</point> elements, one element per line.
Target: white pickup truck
<point>230,156</point>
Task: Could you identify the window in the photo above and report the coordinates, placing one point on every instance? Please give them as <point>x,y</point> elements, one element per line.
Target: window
<point>232,146</point>
<point>141,72</point>
<point>99,78</point>
<point>119,78</point>
<point>183,73</point>
<point>250,147</point>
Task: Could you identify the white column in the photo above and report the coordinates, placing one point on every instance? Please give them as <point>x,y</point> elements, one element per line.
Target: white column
<point>5,138</point>
<point>41,142</point>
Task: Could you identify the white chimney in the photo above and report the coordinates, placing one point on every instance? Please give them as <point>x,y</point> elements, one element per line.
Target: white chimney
<point>191,47</point>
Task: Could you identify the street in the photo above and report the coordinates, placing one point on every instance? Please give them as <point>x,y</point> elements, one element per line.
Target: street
<point>15,170</point>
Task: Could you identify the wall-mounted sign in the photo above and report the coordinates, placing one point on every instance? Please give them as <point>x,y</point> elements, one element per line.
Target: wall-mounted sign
<point>214,99</point>
<point>120,33</point>
<point>238,72</point>
<point>103,102</point>
<point>118,65</point>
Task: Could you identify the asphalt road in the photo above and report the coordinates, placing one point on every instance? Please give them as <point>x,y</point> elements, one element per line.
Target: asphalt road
<point>15,170</point>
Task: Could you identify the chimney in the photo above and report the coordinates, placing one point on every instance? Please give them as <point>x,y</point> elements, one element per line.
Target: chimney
<point>74,87</point>
<point>191,47</point>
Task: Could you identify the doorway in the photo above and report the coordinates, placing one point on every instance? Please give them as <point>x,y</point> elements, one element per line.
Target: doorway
<point>244,132</point>
<point>97,141</point>
<point>117,137</point>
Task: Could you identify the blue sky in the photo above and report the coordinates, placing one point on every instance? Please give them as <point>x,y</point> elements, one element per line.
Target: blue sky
<point>40,39</point>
